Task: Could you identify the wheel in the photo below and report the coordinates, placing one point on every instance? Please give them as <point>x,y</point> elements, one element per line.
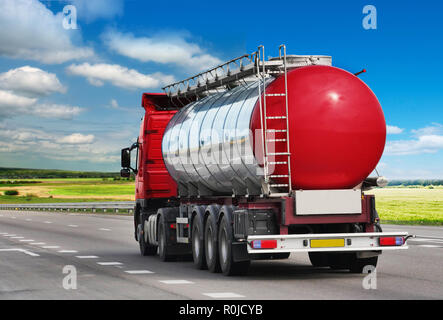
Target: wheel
<point>145,248</point>
<point>198,247</point>
<point>162,244</point>
<point>211,244</point>
<point>227,264</point>
<point>319,259</point>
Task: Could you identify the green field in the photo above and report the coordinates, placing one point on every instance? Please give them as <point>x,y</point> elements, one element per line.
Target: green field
<point>417,205</point>
<point>67,190</point>
<point>405,205</point>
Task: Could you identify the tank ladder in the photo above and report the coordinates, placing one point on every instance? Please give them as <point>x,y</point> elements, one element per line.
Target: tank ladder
<point>272,158</point>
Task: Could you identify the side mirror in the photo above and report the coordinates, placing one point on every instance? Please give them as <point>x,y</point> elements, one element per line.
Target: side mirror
<point>126,158</point>
<point>125,173</point>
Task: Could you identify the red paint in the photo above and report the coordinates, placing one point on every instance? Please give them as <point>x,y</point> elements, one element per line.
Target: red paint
<point>336,126</point>
<point>153,179</point>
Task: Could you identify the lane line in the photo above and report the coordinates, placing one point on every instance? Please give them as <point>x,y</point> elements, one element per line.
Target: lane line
<point>72,225</point>
<point>48,222</point>
<point>68,251</point>
<point>17,237</point>
<point>51,247</point>
<point>32,254</point>
<point>176,281</point>
<point>27,240</point>
<point>10,235</point>
<point>223,295</point>
<point>429,246</point>
<point>38,243</point>
<point>138,271</point>
<point>28,219</point>
<point>87,257</point>
<point>109,263</point>
<point>104,229</point>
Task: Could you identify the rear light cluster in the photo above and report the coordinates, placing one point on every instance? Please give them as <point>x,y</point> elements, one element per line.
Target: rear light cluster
<point>264,244</point>
<point>392,241</point>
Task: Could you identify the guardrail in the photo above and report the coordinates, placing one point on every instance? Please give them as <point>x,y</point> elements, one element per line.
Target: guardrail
<point>121,206</point>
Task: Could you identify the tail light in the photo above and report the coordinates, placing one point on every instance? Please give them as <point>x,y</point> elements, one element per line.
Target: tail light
<point>264,244</point>
<point>391,241</point>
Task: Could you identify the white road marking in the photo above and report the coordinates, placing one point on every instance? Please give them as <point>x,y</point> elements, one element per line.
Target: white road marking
<point>28,219</point>
<point>17,237</point>
<point>223,295</point>
<point>87,257</point>
<point>38,243</point>
<point>50,247</point>
<point>68,251</point>
<point>104,229</point>
<point>3,233</point>
<point>138,271</point>
<point>72,225</point>
<point>429,246</point>
<point>176,281</point>
<point>47,222</point>
<point>109,263</point>
<point>13,217</point>
<point>27,240</point>
<point>22,250</point>
<point>10,235</point>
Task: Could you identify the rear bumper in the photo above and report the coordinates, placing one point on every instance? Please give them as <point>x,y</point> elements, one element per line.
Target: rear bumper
<point>335,242</point>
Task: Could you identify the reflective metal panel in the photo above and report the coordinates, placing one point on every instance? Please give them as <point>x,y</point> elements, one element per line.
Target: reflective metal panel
<point>208,144</point>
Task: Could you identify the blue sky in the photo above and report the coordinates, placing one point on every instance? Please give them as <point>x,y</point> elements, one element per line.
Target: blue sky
<point>70,99</point>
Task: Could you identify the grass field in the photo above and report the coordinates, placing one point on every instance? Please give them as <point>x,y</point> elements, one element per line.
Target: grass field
<point>410,205</point>
<point>405,205</point>
<point>67,190</point>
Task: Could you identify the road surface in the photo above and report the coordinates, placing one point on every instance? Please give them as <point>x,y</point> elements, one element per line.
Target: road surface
<point>35,247</point>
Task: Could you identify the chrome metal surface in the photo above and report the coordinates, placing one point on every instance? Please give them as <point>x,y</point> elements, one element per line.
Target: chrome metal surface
<point>208,144</point>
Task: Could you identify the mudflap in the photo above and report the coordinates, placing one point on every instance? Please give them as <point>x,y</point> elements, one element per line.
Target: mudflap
<point>240,252</point>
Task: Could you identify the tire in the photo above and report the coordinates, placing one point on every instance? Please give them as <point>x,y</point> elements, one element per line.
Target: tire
<point>145,248</point>
<point>319,259</point>
<point>198,247</point>
<point>227,264</point>
<point>163,251</point>
<point>211,244</point>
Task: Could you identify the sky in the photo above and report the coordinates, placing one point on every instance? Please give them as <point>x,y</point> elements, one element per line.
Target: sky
<point>70,98</point>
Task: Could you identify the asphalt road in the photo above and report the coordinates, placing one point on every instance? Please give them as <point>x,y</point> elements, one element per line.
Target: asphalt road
<point>35,247</point>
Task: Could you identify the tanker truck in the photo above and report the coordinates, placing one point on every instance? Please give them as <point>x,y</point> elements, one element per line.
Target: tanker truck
<point>259,158</point>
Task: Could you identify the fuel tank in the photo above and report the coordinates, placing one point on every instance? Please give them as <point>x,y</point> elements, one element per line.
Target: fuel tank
<point>337,134</point>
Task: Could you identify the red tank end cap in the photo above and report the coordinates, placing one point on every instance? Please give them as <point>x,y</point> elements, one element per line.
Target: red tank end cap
<point>337,130</point>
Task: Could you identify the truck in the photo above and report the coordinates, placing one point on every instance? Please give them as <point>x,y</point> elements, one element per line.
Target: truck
<point>259,158</point>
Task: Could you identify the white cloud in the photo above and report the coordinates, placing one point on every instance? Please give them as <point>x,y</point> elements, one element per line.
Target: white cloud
<point>57,111</point>
<point>9,100</point>
<point>424,144</point>
<point>90,10</point>
<point>172,49</point>
<point>77,138</point>
<point>31,81</point>
<point>29,30</point>
<point>98,74</point>
<point>12,105</point>
<point>39,144</point>
<point>393,130</point>
<point>436,128</point>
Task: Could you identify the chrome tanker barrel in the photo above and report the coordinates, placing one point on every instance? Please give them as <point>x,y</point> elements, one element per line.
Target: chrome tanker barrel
<point>319,127</point>
<point>207,146</point>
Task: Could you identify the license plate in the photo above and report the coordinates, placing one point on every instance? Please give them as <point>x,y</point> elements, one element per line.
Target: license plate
<point>327,243</point>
